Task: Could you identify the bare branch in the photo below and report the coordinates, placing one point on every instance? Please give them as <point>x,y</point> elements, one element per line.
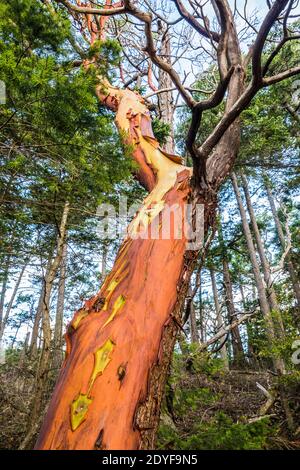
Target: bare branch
<point>224,331</point>
<point>194,23</point>
<point>262,35</point>
<point>281,76</point>
<point>93,11</point>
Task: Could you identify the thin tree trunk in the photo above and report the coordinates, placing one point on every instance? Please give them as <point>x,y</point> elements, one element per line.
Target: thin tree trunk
<point>37,319</point>
<point>3,291</point>
<point>220,325</point>
<point>264,262</point>
<point>201,312</point>
<point>41,376</point>
<point>14,339</point>
<point>11,301</point>
<point>21,379</point>
<point>57,339</point>
<point>165,100</point>
<point>24,350</point>
<point>263,301</point>
<point>250,352</point>
<point>289,261</point>
<point>237,345</point>
<point>193,321</point>
<point>103,263</point>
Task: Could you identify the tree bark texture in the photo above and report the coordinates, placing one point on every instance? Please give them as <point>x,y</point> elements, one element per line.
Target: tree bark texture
<point>119,345</point>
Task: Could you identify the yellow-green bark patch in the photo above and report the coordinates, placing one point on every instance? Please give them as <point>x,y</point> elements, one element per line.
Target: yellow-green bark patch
<point>80,315</point>
<point>79,409</point>
<point>102,359</point>
<point>117,306</point>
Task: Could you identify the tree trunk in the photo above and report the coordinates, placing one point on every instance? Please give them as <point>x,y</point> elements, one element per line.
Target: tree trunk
<point>290,264</point>
<point>165,100</point>
<point>11,301</point>
<point>103,263</point>
<point>264,263</point>
<point>37,319</point>
<point>263,301</point>
<point>193,321</point>
<point>57,340</point>
<point>237,345</point>
<point>24,350</point>
<point>44,362</point>
<point>220,325</point>
<point>250,350</point>
<point>119,345</point>
<point>201,313</point>
<point>3,290</point>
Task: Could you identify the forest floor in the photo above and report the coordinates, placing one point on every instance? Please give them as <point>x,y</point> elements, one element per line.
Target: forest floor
<point>204,409</point>
<point>224,410</point>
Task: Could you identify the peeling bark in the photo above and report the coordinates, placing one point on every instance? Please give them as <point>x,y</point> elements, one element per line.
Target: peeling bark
<point>119,345</point>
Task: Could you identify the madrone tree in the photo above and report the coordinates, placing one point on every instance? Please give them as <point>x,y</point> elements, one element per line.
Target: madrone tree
<point>119,344</point>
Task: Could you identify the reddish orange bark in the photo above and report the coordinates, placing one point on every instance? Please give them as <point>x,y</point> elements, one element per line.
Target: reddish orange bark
<point>116,339</point>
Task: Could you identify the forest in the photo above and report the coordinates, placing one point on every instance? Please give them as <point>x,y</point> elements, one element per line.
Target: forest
<point>149,225</point>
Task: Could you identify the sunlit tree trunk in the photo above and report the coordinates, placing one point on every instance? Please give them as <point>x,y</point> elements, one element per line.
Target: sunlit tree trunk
<point>120,343</point>
<point>250,350</point>
<point>4,281</point>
